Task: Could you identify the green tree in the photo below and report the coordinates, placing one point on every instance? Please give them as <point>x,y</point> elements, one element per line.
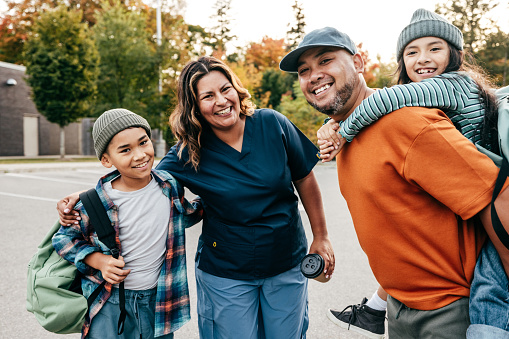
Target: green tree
<point>482,37</point>
<point>61,61</point>
<point>494,57</point>
<point>180,42</point>
<point>305,117</point>
<point>16,23</point>
<point>221,33</point>
<point>274,84</point>
<point>296,33</point>
<point>383,74</point>
<point>129,63</point>
<point>470,16</point>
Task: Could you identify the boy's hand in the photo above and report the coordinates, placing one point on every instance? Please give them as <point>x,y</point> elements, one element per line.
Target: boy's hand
<point>65,210</point>
<point>328,132</point>
<point>110,267</point>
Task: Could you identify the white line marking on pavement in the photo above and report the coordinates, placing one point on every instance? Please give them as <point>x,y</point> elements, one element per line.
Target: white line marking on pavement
<point>28,176</point>
<point>27,197</point>
<point>101,173</point>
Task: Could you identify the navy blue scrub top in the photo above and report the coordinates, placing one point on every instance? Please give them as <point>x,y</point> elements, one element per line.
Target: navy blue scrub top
<point>252,227</point>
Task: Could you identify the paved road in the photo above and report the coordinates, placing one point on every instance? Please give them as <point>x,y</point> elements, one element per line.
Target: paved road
<point>28,201</point>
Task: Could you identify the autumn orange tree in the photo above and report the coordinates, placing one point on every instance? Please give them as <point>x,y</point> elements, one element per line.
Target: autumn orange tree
<point>15,26</point>
<point>17,22</point>
<point>265,56</point>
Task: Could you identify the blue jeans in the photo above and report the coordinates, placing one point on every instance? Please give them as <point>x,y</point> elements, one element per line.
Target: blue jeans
<point>139,322</point>
<point>489,297</point>
<point>271,308</point>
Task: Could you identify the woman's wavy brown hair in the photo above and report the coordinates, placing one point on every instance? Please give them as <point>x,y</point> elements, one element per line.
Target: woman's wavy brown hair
<point>186,121</point>
<point>465,62</point>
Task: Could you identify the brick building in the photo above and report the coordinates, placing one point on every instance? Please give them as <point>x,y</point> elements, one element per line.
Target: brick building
<point>24,131</point>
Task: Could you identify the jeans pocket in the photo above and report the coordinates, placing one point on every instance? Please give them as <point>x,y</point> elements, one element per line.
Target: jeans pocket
<point>114,298</point>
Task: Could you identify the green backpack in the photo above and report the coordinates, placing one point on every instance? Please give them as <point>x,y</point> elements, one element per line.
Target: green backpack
<point>54,293</point>
<point>52,278</point>
<point>500,160</point>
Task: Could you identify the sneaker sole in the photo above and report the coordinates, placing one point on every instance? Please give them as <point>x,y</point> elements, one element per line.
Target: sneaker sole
<point>353,328</point>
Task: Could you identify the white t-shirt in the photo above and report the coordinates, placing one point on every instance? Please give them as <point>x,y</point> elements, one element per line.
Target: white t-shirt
<point>144,217</point>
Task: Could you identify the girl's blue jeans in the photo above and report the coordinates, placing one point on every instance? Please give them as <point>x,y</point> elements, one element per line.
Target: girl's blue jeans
<point>489,297</point>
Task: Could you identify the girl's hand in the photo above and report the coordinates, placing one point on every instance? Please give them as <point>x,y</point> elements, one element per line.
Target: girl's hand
<point>327,150</point>
<point>329,133</point>
<point>68,216</point>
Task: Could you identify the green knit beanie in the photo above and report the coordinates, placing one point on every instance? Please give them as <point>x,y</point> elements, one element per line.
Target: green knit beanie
<point>425,23</point>
<point>112,122</point>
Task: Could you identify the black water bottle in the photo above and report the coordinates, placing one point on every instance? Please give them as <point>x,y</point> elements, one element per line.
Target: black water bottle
<point>312,266</point>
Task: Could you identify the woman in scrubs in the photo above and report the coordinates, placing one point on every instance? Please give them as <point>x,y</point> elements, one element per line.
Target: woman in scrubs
<point>243,163</point>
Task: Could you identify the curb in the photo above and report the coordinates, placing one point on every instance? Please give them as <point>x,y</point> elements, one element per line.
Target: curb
<point>38,167</point>
<point>74,165</point>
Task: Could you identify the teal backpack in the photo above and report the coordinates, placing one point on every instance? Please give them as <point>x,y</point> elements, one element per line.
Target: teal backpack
<point>54,292</point>
<point>500,160</point>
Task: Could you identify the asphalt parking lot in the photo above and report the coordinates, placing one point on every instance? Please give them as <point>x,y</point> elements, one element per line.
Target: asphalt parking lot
<point>28,199</point>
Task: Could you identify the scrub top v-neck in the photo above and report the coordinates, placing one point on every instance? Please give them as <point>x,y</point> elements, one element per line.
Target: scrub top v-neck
<point>252,227</point>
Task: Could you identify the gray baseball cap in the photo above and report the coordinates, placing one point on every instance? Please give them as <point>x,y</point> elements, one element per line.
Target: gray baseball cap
<point>327,36</point>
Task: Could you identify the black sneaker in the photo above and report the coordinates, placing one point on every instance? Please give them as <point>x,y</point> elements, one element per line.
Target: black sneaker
<point>361,319</point>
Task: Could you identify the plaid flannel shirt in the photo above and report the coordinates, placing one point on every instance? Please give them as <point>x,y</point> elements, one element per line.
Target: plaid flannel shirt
<point>75,242</point>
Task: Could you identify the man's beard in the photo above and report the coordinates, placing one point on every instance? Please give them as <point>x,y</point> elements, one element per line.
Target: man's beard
<point>341,97</point>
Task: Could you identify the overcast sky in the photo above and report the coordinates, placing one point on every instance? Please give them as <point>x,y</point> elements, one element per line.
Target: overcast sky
<point>375,23</point>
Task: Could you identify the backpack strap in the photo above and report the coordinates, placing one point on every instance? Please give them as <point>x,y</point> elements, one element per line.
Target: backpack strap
<point>106,233</point>
<point>497,224</point>
<point>502,95</point>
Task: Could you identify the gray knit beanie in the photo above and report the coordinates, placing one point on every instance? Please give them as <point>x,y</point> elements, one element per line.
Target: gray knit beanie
<point>112,122</point>
<point>425,23</point>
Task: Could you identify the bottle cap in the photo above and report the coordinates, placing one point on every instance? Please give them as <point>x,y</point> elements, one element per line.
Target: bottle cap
<point>312,265</point>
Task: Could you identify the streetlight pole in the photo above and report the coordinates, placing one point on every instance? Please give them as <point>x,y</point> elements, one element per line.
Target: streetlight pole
<point>160,143</point>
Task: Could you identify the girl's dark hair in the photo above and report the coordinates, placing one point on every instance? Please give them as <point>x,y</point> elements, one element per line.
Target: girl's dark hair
<point>465,62</point>
<point>186,121</point>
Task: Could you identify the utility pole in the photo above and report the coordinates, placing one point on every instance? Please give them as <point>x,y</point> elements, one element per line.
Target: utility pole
<point>160,143</point>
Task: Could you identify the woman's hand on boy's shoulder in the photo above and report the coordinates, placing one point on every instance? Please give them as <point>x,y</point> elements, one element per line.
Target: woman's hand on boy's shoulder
<point>67,215</point>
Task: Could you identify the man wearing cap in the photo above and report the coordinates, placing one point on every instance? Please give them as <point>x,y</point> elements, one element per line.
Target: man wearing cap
<point>413,184</point>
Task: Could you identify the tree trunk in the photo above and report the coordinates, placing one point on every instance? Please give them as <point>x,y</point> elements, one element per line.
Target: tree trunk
<point>505,65</point>
<point>62,142</point>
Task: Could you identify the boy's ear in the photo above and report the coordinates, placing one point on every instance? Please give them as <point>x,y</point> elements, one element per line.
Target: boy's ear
<point>105,161</point>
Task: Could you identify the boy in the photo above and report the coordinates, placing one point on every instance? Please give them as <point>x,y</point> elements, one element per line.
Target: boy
<point>149,215</point>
